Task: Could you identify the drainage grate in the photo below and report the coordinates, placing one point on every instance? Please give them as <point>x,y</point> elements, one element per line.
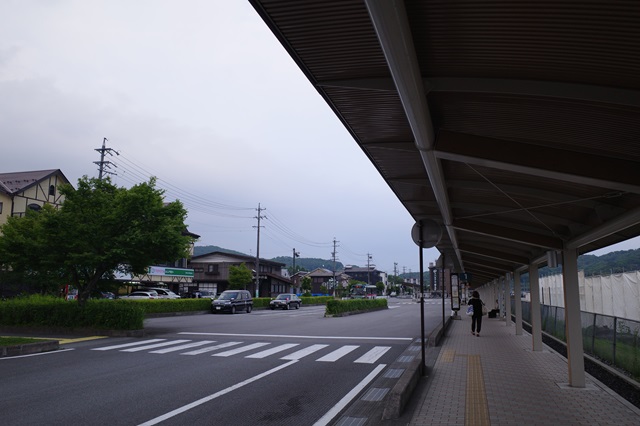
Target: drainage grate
<point>394,373</point>
<point>352,421</point>
<point>405,358</point>
<point>413,348</point>
<point>375,394</point>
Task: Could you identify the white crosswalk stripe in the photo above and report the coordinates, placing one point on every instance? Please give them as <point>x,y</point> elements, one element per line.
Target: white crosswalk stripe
<point>156,345</point>
<point>242,349</point>
<point>127,345</point>
<point>181,347</point>
<point>188,347</point>
<point>303,352</point>
<point>373,355</point>
<point>211,348</point>
<point>272,351</point>
<point>338,353</point>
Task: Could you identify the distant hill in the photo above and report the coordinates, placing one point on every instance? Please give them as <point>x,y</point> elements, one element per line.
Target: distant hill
<point>308,263</point>
<point>610,263</point>
<point>305,264</point>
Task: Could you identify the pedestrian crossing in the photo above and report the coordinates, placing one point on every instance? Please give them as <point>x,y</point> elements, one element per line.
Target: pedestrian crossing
<point>256,350</point>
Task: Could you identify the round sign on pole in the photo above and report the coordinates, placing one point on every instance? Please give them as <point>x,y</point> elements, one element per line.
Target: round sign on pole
<point>426,233</point>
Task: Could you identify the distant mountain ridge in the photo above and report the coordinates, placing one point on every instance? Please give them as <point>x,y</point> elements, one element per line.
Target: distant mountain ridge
<point>610,263</point>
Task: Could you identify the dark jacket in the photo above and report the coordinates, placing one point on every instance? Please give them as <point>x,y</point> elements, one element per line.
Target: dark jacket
<point>477,306</point>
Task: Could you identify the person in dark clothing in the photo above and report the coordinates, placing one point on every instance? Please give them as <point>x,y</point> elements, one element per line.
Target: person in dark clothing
<point>476,318</point>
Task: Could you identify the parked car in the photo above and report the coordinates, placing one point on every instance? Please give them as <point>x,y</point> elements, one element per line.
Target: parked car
<point>206,294</point>
<point>285,301</point>
<point>163,293</point>
<point>232,301</point>
<point>139,294</point>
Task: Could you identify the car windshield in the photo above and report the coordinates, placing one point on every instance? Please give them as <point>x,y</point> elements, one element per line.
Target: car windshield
<point>284,296</point>
<point>229,296</point>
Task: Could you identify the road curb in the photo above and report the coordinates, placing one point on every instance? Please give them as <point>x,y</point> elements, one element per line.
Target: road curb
<point>29,348</point>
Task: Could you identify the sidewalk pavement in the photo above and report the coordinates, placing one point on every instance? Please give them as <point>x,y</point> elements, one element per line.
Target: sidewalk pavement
<point>496,379</point>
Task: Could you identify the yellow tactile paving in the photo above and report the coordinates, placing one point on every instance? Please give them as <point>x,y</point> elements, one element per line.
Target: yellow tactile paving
<point>476,408</point>
<point>447,355</point>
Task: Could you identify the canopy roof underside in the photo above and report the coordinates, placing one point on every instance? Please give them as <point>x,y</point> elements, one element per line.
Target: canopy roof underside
<point>514,125</point>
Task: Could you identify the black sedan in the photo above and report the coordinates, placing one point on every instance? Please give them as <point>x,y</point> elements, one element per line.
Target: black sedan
<point>286,301</point>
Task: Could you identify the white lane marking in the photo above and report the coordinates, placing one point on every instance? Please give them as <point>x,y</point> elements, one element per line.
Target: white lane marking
<point>156,345</point>
<point>127,345</point>
<point>338,353</point>
<point>242,349</point>
<point>300,337</point>
<point>215,395</point>
<point>336,409</point>
<point>211,348</point>
<point>2,358</point>
<point>181,347</point>
<point>373,355</point>
<point>272,351</point>
<point>304,352</point>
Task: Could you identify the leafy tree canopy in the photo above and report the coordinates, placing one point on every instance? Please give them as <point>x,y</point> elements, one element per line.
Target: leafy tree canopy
<point>99,229</point>
<point>239,277</point>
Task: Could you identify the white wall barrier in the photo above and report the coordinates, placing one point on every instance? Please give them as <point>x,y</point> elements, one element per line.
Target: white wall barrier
<point>615,295</point>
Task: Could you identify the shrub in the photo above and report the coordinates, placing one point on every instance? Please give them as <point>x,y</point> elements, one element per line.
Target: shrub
<point>38,311</point>
<point>337,307</point>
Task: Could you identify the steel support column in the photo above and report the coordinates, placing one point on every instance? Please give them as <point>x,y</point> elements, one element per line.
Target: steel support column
<point>536,323</point>
<point>517,291</point>
<point>573,324</point>
<point>507,300</point>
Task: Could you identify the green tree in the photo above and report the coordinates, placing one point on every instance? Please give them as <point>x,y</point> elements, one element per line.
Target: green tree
<point>306,284</point>
<point>100,229</point>
<point>380,287</point>
<point>239,277</point>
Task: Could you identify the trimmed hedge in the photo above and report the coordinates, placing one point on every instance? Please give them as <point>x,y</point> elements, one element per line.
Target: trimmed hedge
<point>161,306</point>
<point>316,300</point>
<point>337,307</point>
<point>39,311</point>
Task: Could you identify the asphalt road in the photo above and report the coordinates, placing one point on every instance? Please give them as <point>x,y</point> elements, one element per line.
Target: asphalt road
<point>264,368</point>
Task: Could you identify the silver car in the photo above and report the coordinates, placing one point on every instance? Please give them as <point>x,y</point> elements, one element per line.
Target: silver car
<point>139,294</point>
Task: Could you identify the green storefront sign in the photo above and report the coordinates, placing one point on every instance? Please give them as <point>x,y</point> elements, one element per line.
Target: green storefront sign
<point>170,272</point>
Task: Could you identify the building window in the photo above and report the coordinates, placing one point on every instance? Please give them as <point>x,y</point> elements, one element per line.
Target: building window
<point>52,190</point>
<point>35,207</point>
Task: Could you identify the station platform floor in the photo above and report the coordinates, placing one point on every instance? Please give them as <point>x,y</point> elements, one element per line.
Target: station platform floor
<point>496,379</point>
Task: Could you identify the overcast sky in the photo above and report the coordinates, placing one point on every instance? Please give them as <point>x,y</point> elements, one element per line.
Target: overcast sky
<point>200,94</point>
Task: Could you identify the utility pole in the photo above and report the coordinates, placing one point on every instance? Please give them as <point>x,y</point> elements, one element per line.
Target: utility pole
<point>103,166</point>
<point>333,254</point>
<point>395,274</point>
<point>258,250</point>
<point>369,257</point>
<point>293,269</point>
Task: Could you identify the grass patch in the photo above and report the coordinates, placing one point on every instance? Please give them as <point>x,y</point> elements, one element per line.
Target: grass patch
<point>11,341</point>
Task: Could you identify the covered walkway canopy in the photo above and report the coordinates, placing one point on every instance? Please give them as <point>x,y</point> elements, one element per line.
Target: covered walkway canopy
<point>514,125</point>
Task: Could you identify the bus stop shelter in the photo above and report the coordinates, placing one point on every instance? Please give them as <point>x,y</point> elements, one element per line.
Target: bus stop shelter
<point>513,126</point>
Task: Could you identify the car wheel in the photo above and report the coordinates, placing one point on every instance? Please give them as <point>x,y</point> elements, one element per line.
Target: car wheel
<point>297,306</point>
<point>272,307</point>
<point>233,310</point>
<point>249,307</point>
<point>287,306</point>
